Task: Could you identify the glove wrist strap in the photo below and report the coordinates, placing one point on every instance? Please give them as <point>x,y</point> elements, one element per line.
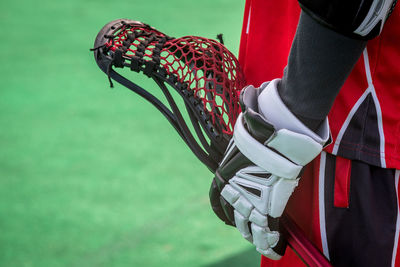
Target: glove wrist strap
<point>271,106</point>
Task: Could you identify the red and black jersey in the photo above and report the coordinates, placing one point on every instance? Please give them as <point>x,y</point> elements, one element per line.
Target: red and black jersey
<point>365,118</point>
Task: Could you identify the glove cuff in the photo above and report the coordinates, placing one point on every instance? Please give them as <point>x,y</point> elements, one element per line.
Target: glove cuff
<point>267,125</point>
<point>271,106</point>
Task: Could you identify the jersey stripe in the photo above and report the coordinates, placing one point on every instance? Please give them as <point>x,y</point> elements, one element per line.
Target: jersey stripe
<point>321,195</point>
<point>396,237</point>
<point>371,89</point>
<point>347,122</point>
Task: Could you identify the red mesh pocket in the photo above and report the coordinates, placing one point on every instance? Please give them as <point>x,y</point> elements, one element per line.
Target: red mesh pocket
<point>204,66</point>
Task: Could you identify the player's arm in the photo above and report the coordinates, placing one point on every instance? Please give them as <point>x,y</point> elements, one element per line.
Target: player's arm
<point>330,38</point>
<point>283,124</point>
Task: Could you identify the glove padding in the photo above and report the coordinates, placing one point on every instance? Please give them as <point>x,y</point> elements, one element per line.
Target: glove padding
<point>261,167</point>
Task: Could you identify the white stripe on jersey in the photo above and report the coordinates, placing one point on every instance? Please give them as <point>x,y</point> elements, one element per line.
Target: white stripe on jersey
<point>321,196</point>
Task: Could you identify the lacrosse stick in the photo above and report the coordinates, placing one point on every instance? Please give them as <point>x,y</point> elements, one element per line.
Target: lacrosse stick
<point>208,78</point>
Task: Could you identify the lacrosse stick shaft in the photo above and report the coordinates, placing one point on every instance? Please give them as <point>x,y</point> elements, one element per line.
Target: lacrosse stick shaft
<point>306,250</point>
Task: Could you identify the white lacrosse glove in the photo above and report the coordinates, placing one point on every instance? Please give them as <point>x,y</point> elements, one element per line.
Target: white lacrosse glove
<point>261,167</point>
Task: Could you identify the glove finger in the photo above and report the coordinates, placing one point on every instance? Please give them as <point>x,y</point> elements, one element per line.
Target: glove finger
<point>228,211</point>
<point>240,203</point>
<point>280,246</point>
<point>276,252</point>
<point>263,238</point>
<point>258,218</point>
<point>242,224</point>
<point>216,204</point>
<point>230,194</point>
<point>274,225</point>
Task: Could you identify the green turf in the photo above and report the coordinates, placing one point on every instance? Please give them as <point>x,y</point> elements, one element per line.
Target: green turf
<point>92,176</point>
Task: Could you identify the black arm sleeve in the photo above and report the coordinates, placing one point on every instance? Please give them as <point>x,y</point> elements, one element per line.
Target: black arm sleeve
<point>319,62</point>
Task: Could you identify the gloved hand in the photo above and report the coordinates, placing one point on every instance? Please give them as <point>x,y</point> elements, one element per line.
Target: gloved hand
<point>261,167</point>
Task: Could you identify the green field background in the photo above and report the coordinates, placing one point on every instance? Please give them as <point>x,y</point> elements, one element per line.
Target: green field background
<point>93,176</point>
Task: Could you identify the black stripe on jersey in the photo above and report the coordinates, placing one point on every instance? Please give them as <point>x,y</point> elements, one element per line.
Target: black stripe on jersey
<point>361,140</point>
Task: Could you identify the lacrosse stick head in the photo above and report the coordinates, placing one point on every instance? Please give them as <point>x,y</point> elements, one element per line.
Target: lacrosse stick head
<point>203,71</point>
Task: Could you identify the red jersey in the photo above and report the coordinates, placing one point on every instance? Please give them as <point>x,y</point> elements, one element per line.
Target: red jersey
<point>365,117</point>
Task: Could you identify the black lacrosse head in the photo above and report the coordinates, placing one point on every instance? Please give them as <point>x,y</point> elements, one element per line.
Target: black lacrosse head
<point>203,71</point>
